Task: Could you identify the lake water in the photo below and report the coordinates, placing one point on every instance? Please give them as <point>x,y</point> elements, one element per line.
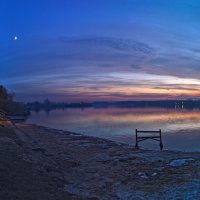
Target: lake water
<point>180,128</point>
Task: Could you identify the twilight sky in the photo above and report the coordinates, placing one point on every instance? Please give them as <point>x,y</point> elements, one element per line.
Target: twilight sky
<point>93,50</point>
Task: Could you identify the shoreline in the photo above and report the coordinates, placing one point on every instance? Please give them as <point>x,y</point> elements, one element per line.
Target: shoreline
<point>87,167</point>
<point>125,144</point>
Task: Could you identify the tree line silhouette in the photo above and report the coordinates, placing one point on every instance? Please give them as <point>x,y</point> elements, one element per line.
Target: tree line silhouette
<point>9,106</point>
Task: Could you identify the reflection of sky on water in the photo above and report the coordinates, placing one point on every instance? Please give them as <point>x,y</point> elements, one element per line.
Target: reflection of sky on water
<point>180,127</point>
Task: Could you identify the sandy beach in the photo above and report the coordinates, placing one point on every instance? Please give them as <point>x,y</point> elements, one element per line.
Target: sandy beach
<point>43,163</point>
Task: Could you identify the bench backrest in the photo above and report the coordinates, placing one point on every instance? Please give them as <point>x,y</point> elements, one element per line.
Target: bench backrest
<point>142,135</point>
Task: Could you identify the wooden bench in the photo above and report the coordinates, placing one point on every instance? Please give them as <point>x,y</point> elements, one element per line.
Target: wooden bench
<point>2,115</point>
<point>154,135</point>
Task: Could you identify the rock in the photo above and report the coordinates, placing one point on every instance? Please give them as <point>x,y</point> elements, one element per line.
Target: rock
<point>154,174</point>
<point>179,162</point>
<point>142,175</point>
<point>71,163</point>
<point>7,140</point>
<point>38,149</point>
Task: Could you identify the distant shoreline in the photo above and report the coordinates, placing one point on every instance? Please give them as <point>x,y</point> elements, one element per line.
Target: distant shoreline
<point>172,104</point>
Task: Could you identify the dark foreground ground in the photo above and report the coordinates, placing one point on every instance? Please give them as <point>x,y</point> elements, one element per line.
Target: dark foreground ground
<point>38,163</point>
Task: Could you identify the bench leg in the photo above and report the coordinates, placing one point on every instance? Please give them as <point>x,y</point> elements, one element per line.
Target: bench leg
<point>136,145</point>
<point>161,146</point>
<point>136,142</point>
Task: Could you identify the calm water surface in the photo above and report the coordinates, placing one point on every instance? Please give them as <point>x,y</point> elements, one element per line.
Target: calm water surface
<point>181,128</point>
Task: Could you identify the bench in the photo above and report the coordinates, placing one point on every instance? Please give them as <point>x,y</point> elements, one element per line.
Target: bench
<point>144,135</point>
<point>3,116</point>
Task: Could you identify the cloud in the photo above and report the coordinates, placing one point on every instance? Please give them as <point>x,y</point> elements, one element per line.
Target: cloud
<point>74,55</point>
<point>178,87</point>
<point>136,66</point>
<point>119,44</point>
<point>77,67</point>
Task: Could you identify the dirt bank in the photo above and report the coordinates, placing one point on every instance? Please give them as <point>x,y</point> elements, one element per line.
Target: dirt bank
<point>56,164</point>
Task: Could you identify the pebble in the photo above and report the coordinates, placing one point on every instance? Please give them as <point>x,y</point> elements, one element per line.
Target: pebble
<point>179,162</point>
<point>142,175</point>
<point>154,174</point>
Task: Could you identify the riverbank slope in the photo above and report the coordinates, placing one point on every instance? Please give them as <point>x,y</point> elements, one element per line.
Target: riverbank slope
<point>43,163</point>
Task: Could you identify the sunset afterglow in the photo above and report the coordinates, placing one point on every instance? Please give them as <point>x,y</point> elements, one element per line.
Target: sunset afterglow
<point>101,50</point>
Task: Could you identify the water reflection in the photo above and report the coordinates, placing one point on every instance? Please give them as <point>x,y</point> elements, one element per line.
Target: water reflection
<point>180,127</point>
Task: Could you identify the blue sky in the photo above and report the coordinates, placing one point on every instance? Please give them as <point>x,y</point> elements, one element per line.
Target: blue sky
<point>90,50</point>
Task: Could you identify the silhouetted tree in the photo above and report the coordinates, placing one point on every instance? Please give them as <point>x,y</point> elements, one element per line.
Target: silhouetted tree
<point>3,94</point>
<point>8,105</point>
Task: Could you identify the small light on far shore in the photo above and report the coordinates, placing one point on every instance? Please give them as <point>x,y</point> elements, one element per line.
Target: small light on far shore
<point>15,38</point>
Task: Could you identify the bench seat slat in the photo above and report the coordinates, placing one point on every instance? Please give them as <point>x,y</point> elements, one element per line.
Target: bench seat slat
<point>148,131</point>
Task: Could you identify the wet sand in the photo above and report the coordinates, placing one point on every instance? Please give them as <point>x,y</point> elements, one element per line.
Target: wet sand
<point>74,166</point>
